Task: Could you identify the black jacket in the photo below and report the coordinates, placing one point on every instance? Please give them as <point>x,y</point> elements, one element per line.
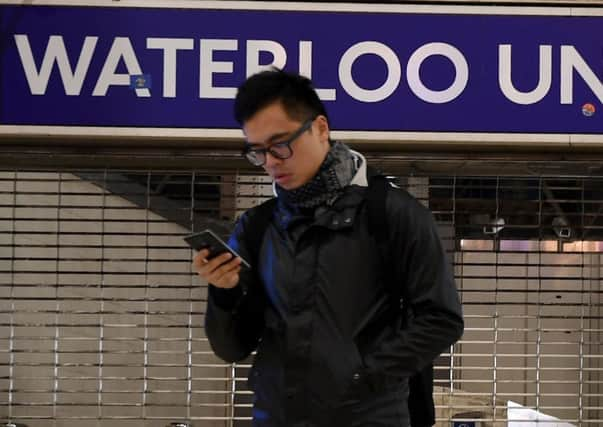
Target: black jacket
<point>319,313</point>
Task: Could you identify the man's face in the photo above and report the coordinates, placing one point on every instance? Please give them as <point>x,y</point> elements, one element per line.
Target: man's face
<point>272,125</point>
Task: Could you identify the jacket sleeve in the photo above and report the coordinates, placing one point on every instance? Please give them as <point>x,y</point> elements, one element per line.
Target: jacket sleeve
<point>422,268</point>
<point>234,318</point>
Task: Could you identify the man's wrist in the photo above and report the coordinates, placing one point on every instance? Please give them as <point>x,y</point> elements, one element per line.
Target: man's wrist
<point>226,299</point>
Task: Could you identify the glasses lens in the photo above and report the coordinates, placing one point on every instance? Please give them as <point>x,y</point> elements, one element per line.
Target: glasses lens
<point>255,158</point>
<point>282,150</point>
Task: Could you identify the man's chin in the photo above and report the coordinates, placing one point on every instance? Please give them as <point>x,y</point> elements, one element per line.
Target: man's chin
<point>286,182</point>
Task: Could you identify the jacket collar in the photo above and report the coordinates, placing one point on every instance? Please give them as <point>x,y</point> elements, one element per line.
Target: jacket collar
<point>360,177</point>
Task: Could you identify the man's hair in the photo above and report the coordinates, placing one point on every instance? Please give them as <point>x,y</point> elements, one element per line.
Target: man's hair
<point>295,92</point>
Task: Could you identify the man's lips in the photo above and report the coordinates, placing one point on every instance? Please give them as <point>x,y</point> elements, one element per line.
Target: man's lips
<point>281,176</point>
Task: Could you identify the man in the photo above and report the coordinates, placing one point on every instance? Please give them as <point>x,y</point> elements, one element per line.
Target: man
<point>316,306</point>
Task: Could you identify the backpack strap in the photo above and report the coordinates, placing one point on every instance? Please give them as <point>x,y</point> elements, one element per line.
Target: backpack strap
<point>376,197</point>
<point>258,221</point>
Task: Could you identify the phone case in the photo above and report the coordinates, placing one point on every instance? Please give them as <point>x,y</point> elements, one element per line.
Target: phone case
<point>207,239</point>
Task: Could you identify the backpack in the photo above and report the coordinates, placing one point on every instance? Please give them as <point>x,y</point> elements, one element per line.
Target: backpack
<point>420,400</point>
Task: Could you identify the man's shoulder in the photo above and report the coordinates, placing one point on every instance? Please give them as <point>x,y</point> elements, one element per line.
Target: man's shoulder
<point>401,203</point>
<point>259,213</point>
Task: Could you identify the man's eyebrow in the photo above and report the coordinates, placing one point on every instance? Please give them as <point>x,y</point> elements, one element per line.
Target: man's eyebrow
<point>277,136</point>
<point>272,138</point>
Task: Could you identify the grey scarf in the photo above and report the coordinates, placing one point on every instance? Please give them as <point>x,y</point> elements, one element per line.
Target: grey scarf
<point>335,173</point>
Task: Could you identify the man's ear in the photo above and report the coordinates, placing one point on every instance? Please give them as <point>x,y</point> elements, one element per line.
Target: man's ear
<point>322,125</point>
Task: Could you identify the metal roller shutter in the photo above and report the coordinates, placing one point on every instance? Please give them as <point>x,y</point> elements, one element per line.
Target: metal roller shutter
<point>101,318</point>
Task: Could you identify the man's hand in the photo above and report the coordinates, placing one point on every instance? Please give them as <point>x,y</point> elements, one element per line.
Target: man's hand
<point>218,271</point>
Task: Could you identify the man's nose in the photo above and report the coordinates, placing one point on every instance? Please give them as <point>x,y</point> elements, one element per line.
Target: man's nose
<point>271,160</point>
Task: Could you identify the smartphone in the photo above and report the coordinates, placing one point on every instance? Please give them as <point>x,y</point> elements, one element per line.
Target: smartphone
<point>207,239</point>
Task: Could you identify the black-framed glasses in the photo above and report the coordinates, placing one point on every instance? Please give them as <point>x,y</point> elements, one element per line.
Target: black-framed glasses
<point>281,150</point>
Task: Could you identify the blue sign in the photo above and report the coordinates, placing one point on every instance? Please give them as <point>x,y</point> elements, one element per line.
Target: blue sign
<point>387,71</point>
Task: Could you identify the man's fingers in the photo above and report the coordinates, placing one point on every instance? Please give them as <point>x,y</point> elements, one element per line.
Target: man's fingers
<point>216,262</point>
<point>231,279</point>
<point>200,259</point>
<point>209,265</point>
<point>223,269</point>
<point>218,271</point>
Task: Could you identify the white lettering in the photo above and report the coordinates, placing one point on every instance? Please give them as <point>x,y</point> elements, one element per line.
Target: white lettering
<point>392,81</point>
<point>506,82</point>
<point>170,49</point>
<point>55,52</point>
<point>435,96</point>
<point>120,49</point>
<point>209,67</point>
<point>254,47</point>
<point>571,60</point>
<point>305,69</point>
